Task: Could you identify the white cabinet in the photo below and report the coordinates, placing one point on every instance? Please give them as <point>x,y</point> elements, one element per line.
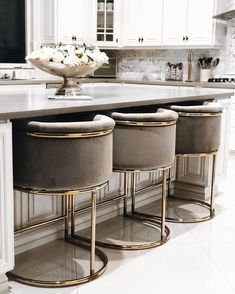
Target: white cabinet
<point>6,204</point>
<point>73,21</point>
<point>142,22</point>
<point>232,127</point>
<point>188,22</point>
<point>200,22</point>
<point>107,22</point>
<point>174,22</point>
<point>42,23</point>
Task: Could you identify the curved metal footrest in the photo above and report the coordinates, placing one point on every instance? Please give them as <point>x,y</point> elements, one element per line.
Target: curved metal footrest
<point>65,283</point>
<point>155,224</point>
<point>193,201</point>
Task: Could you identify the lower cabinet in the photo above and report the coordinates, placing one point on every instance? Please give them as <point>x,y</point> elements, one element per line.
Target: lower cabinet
<point>232,127</point>
<point>6,204</point>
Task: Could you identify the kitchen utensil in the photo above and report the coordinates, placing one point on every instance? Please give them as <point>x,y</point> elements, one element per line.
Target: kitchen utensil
<point>214,62</point>
<point>190,67</point>
<point>200,62</point>
<point>208,62</point>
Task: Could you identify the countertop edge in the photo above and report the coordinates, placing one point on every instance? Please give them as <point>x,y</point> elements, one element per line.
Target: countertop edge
<point>114,105</point>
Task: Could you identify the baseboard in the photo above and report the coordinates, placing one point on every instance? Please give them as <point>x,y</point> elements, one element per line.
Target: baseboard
<point>186,190</point>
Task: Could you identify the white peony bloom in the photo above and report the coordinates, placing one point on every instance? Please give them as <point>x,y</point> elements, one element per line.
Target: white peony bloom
<point>58,57</point>
<point>84,59</point>
<point>46,53</point>
<point>71,60</point>
<point>70,55</point>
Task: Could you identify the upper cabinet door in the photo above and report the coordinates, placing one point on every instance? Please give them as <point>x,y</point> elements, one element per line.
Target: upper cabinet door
<point>200,22</point>
<point>72,21</point>
<point>175,22</point>
<point>151,22</point>
<point>107,13</point>
<point>48,19</point>
<point>65,20</point>
<point>42,23</point>
<point>131,23</point>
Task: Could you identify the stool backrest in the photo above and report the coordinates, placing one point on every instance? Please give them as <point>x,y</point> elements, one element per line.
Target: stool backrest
<point>57,157</point>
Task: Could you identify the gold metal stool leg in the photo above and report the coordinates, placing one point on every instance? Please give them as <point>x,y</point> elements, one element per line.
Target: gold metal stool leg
<point>125,193</point>
<point>66,221</point>
<point>212,204</point>
<point>93,232</point>
<point>164,184</point>
<point>133,188</point>
<point>72,211</point>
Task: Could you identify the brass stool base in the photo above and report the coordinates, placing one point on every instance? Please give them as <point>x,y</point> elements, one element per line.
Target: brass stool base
<point>66,283</point>
<point>146,221</point>
<point>182,220</point>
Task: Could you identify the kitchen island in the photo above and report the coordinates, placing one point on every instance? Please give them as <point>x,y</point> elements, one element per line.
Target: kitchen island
<point>30,102</point>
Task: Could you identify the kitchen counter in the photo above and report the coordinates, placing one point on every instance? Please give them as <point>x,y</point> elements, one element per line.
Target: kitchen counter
<point>30,102</point>
<point>117,80</point>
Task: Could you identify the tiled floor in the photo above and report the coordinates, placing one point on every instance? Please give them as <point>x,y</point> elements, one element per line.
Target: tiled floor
<point>199,258</point>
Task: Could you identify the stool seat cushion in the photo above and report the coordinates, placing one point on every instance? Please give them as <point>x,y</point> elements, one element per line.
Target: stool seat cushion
<point>199,133</point>
<point>144,147</point>
<point>160,116</point>
<point>99,123</point>
<point>62,164</point>
<point>210,107</point>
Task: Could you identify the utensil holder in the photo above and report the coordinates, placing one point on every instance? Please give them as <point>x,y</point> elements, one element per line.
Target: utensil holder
<point>205,74</point>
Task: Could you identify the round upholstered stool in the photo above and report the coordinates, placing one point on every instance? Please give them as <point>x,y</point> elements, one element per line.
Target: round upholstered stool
<point>64,158</point>
<point>198,135</point>
<point>143,142</point>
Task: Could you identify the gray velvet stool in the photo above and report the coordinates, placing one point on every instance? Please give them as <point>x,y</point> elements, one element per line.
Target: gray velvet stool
<point>198,134</point>
<point>143,142</point>
<point>64,158</point>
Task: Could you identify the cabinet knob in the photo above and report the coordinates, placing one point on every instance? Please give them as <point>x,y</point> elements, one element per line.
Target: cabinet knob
<point>183,38</point>
<point>186,38</point>
<point>116,40</point>
<point>142,39</point>
<point>139,39</point>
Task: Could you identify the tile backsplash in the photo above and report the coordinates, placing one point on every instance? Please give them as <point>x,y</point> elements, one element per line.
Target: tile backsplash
<point>150,64</point>
<point>144,64</point>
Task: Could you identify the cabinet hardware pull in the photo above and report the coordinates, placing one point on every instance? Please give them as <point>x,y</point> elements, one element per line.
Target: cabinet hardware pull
<point>186,38</point>
<point>116,40</point>
<point>183,38</point>
<point>139,39</point>
<point>142,39</point>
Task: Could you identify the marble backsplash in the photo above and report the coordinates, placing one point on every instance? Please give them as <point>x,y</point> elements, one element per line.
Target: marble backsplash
<point>144,64</point>
<point>150,64</point>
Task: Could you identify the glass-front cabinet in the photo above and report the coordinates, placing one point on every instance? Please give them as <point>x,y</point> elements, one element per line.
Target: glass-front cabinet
<point>107,15</point>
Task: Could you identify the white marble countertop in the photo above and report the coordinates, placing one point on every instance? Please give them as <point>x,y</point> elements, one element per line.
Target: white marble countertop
<point>31,102</point>
<point>9,82</point>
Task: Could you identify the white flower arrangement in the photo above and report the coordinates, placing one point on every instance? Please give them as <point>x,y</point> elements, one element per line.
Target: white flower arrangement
<point>71,55</point>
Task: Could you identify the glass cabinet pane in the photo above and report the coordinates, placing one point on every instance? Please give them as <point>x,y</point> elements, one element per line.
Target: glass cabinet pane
<point>105,20</point>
